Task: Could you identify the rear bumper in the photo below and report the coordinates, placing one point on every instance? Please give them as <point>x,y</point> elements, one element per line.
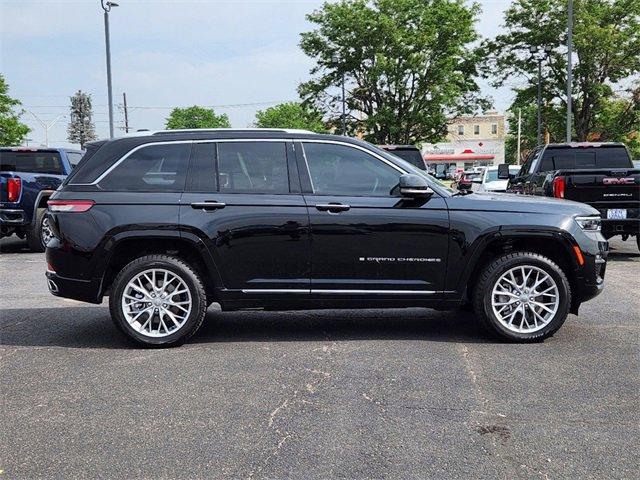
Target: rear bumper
<point>81,290</point>
<point>619,227</point>
<point>12,217</point>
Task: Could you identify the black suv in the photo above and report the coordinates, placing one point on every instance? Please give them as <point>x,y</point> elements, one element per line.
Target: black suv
<point>166,223</point>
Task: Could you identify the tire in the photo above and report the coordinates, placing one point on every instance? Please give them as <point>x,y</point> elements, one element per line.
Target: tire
<point>495,309</point>
<point>139,319</point>
<point>35,237</point>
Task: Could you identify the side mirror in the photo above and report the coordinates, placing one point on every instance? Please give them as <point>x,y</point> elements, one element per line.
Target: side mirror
<point>503,171</point>
<point>414,186</point>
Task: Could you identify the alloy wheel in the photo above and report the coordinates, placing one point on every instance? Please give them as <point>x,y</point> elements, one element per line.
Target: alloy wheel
<point>156,302</point>
<point>45,231</point>
<point>525,299</point>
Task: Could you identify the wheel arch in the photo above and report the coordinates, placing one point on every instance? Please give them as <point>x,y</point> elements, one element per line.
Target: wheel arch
<point>125,247</point>
<point>555,244</point>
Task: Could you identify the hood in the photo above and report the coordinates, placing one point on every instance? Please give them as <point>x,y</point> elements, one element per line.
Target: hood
<point>507,202</point>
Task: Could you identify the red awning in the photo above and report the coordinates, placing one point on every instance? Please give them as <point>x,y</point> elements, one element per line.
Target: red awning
<point>432,157</point>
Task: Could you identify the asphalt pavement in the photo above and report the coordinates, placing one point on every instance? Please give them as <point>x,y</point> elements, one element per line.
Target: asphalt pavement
<point>397,394</point>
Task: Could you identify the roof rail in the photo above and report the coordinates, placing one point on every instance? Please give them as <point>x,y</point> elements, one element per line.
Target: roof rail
<point>198,130</point>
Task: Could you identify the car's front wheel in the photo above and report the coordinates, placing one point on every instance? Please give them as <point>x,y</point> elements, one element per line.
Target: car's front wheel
<point>158,300</point>
<point>523,297</point>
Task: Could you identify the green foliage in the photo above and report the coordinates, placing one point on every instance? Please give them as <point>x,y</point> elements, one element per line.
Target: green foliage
<point>12,131</point>
<point>196,117</point>
<point>291,115</point>
<point>407,64</point>
<point>606,60</point>
<point>81,128</point>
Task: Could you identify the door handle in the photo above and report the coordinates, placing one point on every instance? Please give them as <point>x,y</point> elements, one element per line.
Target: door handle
<point>332,207</point>
<point>212,205</point>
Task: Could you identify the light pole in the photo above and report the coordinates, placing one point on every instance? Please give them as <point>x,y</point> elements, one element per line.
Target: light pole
<point>46,125</point>
<point>335,60</point>
<point>539,54</point>
<point>106,6</point>
<point>569,67</point>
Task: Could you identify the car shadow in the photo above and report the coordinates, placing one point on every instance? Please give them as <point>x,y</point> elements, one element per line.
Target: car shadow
<point>91,327</point>
<point>13,245</point>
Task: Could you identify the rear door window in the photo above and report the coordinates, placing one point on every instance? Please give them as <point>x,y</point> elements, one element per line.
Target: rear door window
<point>152,168</point>
<point>253,167</point>
<point>31,162</point>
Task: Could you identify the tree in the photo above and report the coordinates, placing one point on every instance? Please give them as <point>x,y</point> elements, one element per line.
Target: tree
<point>607,45</point>
<point>12,131</point>
<point>408,66</point>
<point>291,115</point>
<point>81,129</point>
<point>196,117</point>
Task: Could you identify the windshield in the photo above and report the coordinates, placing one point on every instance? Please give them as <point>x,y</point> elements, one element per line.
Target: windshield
<point>411,169</point>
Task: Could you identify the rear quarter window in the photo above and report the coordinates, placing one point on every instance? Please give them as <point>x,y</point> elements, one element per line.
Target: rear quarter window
<point>151,168</point>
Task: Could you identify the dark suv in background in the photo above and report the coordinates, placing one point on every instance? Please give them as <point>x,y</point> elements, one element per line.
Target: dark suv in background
<point>166,223</point>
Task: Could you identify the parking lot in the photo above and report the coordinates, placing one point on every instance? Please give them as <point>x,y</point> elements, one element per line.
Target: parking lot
<point>347,394</point>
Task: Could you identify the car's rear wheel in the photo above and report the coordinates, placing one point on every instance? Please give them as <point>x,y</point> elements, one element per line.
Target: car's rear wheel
<point>40,232</point>
<point>523,297</point>
<point>158,300</point>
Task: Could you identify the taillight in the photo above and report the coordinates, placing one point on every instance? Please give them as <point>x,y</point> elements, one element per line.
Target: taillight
<point>14,186</point>
<point>73,206</point>
<point>558,187</point>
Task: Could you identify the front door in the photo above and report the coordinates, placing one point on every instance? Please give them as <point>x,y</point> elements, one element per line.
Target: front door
<point>253,219</point>
<point>365,238</point>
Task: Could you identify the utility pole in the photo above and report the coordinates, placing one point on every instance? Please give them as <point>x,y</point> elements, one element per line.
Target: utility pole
<point>569,68</point>
<point>106,6</point>
<point>519,135</point>
<point>126,113</point>
<point>46,126</point>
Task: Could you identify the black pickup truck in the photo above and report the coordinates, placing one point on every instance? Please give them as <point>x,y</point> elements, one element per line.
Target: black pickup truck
<point>599,174</point>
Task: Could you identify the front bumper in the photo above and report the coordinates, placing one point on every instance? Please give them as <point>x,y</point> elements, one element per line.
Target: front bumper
<point>590,277</point>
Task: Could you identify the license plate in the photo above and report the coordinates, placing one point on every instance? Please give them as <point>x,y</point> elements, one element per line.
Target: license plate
<point>617,213</point>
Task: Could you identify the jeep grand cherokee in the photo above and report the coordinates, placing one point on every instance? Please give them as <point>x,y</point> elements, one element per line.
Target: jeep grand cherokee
<point>165,223</point>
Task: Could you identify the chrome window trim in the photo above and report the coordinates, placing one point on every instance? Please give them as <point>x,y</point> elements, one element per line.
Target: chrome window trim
<point>172,142</point>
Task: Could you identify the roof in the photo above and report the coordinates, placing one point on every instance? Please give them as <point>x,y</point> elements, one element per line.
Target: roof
<point>146,133</point>
<point>457,156</point>
<point>39,149</point>
<point>584,144</point>
<point>396,147</point>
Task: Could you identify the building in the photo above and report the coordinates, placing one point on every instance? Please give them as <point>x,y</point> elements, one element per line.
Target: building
<point>471,141</point>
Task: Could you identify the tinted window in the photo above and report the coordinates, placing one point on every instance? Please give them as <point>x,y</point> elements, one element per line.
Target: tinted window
<point>202,176</point>
<point>253,167</point>
<point>341,170</point>
<point>74,158</point>
<point>590,157</point>
<point>413,156</point>
<point>153,168</point>
<point>35,162</point>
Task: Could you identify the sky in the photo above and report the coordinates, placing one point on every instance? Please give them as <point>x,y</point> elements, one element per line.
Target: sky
<point>238,56</point>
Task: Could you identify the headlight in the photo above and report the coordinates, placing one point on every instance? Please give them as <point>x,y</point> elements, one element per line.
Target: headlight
<point>589,224</point>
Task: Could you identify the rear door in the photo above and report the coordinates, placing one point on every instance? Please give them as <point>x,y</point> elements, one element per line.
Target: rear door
<point>366,240</point>
<point>243,200</point>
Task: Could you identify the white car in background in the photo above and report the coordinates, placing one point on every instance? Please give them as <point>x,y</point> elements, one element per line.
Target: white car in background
<point>489,182</point>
